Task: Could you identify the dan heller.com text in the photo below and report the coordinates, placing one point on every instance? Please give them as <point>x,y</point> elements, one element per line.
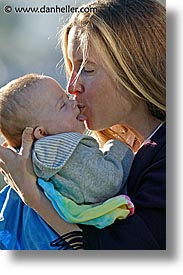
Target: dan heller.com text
<point>63,9</point>
<point>57,9</point>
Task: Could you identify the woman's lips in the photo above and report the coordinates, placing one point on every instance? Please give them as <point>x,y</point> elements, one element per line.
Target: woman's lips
<point>81,116</point>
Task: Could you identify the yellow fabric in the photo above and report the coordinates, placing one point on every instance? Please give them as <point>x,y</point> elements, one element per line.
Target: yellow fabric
<point>101,215</point>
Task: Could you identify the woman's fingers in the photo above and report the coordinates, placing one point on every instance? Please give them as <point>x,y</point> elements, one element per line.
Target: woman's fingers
<point>2,154</point>
<point>5,154</point>
<point>27,140</point>
<point>13,163</point>
<point>18,171</point>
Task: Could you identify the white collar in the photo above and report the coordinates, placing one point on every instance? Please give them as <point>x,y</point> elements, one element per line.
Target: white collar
<point>152,134</point>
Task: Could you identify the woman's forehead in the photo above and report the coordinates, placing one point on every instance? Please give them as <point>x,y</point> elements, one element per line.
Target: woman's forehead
<point>77,50</point>
<point>74,48</point>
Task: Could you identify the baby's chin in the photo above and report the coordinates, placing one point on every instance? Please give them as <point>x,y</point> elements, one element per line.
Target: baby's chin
<point>82,127</point>
<point>82,123</point>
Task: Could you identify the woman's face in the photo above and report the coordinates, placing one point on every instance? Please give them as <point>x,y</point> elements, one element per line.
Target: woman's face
<point>95,90</point>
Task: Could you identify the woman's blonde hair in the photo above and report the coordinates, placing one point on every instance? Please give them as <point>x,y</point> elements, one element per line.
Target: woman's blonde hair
<point>130,36</point>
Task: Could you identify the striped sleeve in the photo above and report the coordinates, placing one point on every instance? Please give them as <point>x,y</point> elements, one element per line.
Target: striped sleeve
<point>51,153</point>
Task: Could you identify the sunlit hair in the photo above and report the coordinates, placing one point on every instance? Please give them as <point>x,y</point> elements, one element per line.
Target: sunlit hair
<point>17,108</point>
<point>130,36</point>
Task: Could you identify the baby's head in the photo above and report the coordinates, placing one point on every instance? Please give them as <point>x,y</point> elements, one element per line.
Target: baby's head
<point>39,102</point>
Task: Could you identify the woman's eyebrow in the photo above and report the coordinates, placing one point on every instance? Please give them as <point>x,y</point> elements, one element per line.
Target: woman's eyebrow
<point>79,60</point>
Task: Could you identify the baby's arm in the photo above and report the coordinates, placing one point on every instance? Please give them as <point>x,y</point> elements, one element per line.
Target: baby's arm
<point>51,153</point>
<point>87,174</point>
<point>104,171</point>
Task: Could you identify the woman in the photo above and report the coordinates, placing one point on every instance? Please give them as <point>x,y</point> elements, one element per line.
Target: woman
<point>115,60</point>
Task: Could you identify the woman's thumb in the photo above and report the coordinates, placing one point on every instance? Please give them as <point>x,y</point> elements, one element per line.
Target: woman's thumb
<point>27,140</point>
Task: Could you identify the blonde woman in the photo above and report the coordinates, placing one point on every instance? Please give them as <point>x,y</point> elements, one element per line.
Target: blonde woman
<point>115,62</point>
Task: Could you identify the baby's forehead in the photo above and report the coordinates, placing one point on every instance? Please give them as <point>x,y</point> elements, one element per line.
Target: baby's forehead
<point>52,83</point>
<point>49,87</point>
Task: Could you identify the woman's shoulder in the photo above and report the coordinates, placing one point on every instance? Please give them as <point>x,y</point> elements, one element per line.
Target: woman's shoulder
<point>155,144</point>
<point>150,160</point>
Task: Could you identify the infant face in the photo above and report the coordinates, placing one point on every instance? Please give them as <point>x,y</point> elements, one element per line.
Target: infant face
<point>58,113</point>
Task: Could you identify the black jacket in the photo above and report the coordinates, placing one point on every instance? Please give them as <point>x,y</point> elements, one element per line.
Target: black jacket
<point>146,229</point>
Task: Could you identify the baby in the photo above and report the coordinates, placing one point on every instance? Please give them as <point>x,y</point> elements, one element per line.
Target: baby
<point>73,172</point>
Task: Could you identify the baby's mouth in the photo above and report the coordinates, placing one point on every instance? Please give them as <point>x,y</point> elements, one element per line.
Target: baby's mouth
<point>81,117</point>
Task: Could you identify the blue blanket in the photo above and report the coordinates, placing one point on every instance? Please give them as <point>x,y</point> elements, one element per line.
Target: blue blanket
<point>21,228</point>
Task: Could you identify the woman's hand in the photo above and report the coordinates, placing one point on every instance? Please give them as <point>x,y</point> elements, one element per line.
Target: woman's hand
<point>17,169</point>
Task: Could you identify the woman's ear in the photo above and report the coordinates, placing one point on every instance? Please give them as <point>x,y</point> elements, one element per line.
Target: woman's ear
<point>39,132</point>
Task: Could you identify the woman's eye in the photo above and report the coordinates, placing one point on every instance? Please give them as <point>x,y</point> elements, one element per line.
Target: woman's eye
<point>87,70</point>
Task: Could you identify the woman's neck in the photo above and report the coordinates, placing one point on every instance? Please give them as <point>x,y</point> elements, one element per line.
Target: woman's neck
<point>146,126</point>
<point>142,120</point>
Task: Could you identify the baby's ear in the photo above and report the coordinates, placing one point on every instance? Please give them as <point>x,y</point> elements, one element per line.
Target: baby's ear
<point>39,132</point>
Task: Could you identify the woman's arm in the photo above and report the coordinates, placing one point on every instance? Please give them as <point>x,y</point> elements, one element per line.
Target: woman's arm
<point>45,209</point>
<point>17,169</point>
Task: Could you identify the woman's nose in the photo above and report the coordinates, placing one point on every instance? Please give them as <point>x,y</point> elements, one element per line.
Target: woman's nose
<point>74,86</point>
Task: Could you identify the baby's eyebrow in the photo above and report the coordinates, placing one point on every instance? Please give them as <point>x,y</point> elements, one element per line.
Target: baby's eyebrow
<point>58,101</point>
